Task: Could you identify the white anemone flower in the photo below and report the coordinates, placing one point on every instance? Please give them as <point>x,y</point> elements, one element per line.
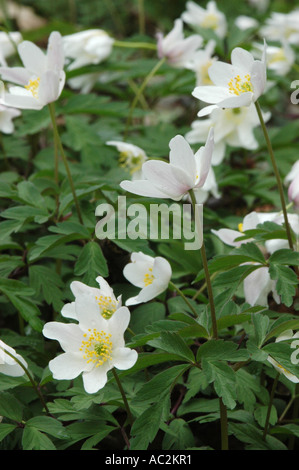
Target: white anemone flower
<point>8,365</point>
<point>201,62</point>
<point>282,26</point>
<point>132,157</point>
<point>92,347</point>
<point>152,275</point>
<point>177,49</point>
<point>235,85</point>
<point>8,43</point>
<point>103,298</point>
<point>173,180</point>
<point>6,117</point>
<point>250,222</point>
<point>42,78</point>
<point>280,59</point>
<point>232,126</point>
<point>286,335</point>
<point>209,18</point>
<point>258,285</point>
<point>87,47</point>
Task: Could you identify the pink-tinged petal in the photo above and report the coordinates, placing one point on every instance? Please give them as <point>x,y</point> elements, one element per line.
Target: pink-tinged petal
<point>55,54</point>
<point>96,379</point>
<point>124,358</point>
<point>211,94</point>
<point>237,101</point>
<point>181,155</point>
<point>228,236</point>
<point>169,179</point>
<point>69,335</point>
<point>68,366</point>
<point>203,159</point>
<point>18,75</point>
<point>143,188</point>
<point>242,59</point>
<point>33,57</point>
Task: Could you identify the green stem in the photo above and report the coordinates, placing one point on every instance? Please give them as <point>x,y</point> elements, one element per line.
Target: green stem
<point>60,146</point>
<point>206,269</point>
<point>277,175</point>
<point>140,91</point>
<point>270,406</point>
<point>39,394</point>
<point>135,45</point>
<point>184,298</point>
<point>141,16</point>
<point>224,425</point>
<point>129,414</point>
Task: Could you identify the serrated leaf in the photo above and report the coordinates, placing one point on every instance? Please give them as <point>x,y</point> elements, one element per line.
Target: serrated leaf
<point>224,380</point>
<point>222,350</point>
<point>286,284</point>
<point>91,263</point>
<point>173,343</point>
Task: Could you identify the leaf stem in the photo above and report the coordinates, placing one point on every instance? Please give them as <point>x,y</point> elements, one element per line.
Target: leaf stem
<point>129,414</point>
<point>277,175</point>
<point>184,298</point>
<point>60,146</point>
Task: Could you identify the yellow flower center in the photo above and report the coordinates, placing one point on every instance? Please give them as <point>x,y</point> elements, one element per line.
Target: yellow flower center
<point>132,162</point>
<point>33,86</point>
<point>148,278</point>
<point>107,306</point>
<point>97,348</point>
<point>205,78</point>
<point>237,85</point>
<point>210,21</point>
<point>277,57</point>
<point>240,228</point>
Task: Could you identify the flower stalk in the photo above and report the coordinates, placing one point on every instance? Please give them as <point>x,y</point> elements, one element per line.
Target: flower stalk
<point>130,417</point>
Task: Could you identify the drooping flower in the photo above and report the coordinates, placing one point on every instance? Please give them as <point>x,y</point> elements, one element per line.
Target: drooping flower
<point>235,85</point>
<point>6,117</point>
<point>177,49</point>
<point>173,180</point>
<point>92,347</point>
<point>132,157</point>
<point>209,18</point>
<point>103,298</point>
<point>152,275</point>
<point>258,285</point>
<point>42,78</point>
<point>233,127</point>
<point>250,222</point>
<point>8,365</point>
<point>286,335</point>
<point>8,41</point>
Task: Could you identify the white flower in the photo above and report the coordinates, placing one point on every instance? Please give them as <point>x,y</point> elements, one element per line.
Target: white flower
<point>258,285</point>
<point>103,299</point>
<point>175,48</point>
<point>7,45</point>
<point>233,127</point>
<point>244,22</point>
<point>42,77</point>
<point>8,365</point>
<point>201,62</point>
<point>281,26</point>
<point>250,222</point>
<point>293,178</point>
<point>173,180</point>
<point>91,347</point>
<point>235,85</point>
<point>152,275</point>
<point>286,335</point>
<point>279,58</point>
<point>210,187</point>
<point>261,5</point>
<point>87,47</point>
<point>131,157</point>
<point>6,117</point>
<point>209,18</point>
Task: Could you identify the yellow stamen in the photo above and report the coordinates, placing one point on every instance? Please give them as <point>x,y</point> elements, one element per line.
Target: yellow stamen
<point>97,348</point>
<point>210,21</point>
<point>33,86</point>
<point>132,162</point>
<point>240,228</point>
<point>107,306</point>
<point>148,278</point>
<point>237,86</point>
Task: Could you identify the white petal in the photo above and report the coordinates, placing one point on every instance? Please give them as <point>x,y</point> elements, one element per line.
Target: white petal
<point>124,358</point>
<point>228,236</point>
<point>67,366</point>
<point>32,57</point>
<point>69,335</point>
<point>18,75</point>
<point>96,379</point>
<point>181,155</point>
<point>143,188</point>
<point>242,59</point>
<point>211,94</point>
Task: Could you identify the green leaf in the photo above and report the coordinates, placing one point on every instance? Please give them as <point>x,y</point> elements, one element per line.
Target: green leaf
<point>91,263</point>
<point>30,194</point>
<point>288,325</point>
<point>260,415</point>
<point>178,435</point>
<point>253,436</point>
<point>285,256</point>
<point>48,425</point>
<point>10,407</point>
<point>261,327</point>
<point>287,282</point>
<point>33,439</point>
<point>173,343</point>
<point>224,380</point>
<point>6,429</point>
<point>282,352</point>
<point>46,281</point>
<point>222,350</point>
